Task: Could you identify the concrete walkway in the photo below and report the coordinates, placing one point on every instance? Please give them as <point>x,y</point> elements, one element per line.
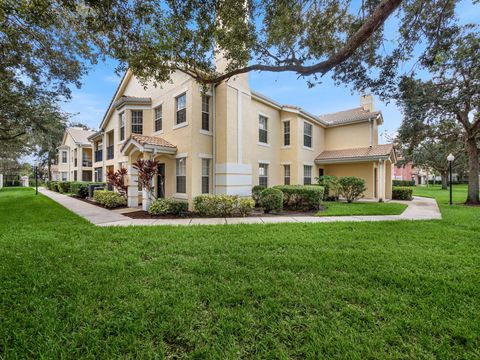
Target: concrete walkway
<point>418,209</point>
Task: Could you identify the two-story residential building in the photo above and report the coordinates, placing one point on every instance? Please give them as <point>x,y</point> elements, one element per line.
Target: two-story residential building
<point>75,155</point>
<point>230,138</point>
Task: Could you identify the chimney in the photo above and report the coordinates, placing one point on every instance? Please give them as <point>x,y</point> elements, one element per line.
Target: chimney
<point>366,102</point>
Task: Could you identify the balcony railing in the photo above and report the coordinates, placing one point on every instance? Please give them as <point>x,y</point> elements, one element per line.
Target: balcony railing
<point>110,152</point>
<point>87,163</point>
<point>98,155</point>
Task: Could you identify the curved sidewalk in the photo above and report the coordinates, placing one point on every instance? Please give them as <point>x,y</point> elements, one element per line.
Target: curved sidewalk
<point>418,209</point>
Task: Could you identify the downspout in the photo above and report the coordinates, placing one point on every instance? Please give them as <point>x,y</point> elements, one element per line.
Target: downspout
<point>214,139</point>
<point>371,132</point>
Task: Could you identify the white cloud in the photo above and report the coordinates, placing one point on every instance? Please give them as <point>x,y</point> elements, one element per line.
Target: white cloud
<point>88,108</point>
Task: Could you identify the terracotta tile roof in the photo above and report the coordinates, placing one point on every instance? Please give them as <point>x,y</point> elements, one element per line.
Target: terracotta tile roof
<point>152,140</point>
<point>79,135</point>
<point>356,114</point>
<point>356,153</point>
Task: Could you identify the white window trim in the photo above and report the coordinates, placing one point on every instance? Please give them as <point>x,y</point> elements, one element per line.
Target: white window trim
<point>286,163</point>
<point>308,148</point>
<point>303,136</point>
<point>205,156</point>
<point>182,155</point>
<point>283,147</point>
<point>157,105</point>
<point>258,124</point>
<point>153,118</point>
<point>264,162</point>
<point>181,196</point>
<point>182,91</point>
<point>264,144</point>
<point>205,132</point>
<point>158,132</point>
<point>309,163</point>
<point>181,125</point>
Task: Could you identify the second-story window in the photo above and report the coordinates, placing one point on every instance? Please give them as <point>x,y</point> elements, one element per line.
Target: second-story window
<point>307,134</point>
<point>181,106</point>
<point>137,122</point>
<point>122,126</point>
<point>307,175</point>
<point>64,157</point>
<point>263,129</point>
<point>205,112</point>
<point>286,133</point>
<point>158,118</point>
<point>286,174</point>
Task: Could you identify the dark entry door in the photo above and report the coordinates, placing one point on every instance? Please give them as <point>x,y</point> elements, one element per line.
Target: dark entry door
<point>161,181</point>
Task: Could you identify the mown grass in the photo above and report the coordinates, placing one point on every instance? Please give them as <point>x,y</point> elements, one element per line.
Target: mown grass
<point>337,208</point>
<point>69,289</point>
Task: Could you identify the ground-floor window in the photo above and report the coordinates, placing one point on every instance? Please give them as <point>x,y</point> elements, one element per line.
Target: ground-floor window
<point>286,174</point>
<point>263,175</point>
<point>205,176</point>
<point>181,173</point>
<point>64,176</point>
<point>307,175</point>
<point>98,174</point>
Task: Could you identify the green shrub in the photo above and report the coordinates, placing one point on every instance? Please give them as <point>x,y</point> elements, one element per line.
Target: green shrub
<point>53,186</point>
<point>64,187</point>
<point>79,188</point>
<point>402,193</point>
<point>47,184</point>
<point>352,188</point>
<point>331,187</point>
<point>222,205</point>
<point>301,197</point>
<point>109,199</point>
<point>168,207</point>
<point>271,199</point>
<point>256,190</point>
<point>403,182</point>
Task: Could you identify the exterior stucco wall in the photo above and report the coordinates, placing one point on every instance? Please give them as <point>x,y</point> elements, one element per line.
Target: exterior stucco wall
<point>364,170</point>
<point>348,136</point>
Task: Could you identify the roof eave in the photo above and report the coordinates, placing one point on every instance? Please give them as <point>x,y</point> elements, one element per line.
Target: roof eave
<point>351,159</point>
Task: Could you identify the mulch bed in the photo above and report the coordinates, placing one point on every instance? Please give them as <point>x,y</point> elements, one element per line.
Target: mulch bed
<point>140,214</point>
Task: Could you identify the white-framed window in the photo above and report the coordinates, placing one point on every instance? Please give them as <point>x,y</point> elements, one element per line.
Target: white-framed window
<point>307,134</point>
<point>205,176</point>
<point>158,118</point>
<point>263,129</point>
<point>98,174</point>
<point>137,121</point>
<point>64,156</point>
<point>121,125</point>
<point>181,107</point>
<point>181,173</point>
<point>205,112</point>
<point>307,174</point>
<point>263,174</point>
<point>286,174</point>
<point>286,133</point>
<point>64,176</point>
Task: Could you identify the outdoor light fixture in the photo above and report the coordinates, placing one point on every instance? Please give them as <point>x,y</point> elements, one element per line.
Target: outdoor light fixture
<point>35,168</point>
<point>450,159</point>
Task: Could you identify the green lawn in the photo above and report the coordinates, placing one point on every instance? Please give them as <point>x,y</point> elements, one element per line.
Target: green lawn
<point>401,289</point>
<point>336,208</point>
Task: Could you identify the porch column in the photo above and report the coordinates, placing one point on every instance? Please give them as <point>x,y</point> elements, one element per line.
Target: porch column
<point>146,200</point>
<point>132,187</point>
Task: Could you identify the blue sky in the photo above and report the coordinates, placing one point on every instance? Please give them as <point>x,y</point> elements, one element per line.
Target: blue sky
<point>89,103</point>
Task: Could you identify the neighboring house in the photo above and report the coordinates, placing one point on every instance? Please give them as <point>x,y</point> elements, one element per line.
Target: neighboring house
<point>231,138</point>
<point>404,171</point>
<point>75,156</point>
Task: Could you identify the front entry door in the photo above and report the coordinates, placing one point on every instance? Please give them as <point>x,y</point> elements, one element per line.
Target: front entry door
<point>161,181</point>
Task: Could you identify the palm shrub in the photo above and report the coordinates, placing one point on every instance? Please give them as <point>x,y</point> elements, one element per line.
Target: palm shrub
<point>109,199</point>
<point>271,199</point>
<point>352,188</point>
<point>331,186</point>
<point>301,197</point>
<point>256,190</point>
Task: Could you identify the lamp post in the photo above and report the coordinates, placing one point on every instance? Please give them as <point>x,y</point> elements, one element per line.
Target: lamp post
<point>450,159</point>
<point>35,164</point>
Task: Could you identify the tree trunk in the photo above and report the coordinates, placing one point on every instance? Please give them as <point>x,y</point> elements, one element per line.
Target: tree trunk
<point>472,154</point>
<point>445,180</point>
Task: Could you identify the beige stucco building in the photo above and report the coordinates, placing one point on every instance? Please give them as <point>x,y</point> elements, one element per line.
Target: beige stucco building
<point>75,156</point>
<point>231,138</point>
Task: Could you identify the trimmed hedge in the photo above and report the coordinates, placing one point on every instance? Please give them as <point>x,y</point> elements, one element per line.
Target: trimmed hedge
<point>53,185</point>
<point>64,187</point>
<point>256,190</point>
<point>109,199</point>
<point>402,193</point>
<point>222,205</point>
<point>271,199</point>
<point>301,197</point>
<point>403,183</point>
<point>168,207</point>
